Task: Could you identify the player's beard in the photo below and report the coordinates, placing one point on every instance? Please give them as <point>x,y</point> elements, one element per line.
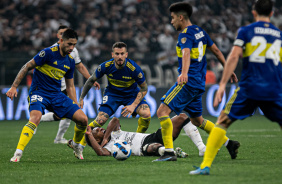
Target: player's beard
<point>120,65</point>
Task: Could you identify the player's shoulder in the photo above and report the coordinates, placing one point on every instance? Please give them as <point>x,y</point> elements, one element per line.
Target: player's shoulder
<point>46,51</point>
<point>191,31</point>
<point>108,63</point>
<point>131,65</point>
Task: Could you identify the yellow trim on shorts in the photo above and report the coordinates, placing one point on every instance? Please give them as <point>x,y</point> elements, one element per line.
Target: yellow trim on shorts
<point>173,94</point>
<point>231,101</point>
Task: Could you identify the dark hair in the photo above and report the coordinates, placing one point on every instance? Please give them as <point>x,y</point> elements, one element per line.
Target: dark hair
<point>263,7</point>
<point>182,8</point>
<point>119,45</point>
<point>69,33</point>
<point>62,27</point>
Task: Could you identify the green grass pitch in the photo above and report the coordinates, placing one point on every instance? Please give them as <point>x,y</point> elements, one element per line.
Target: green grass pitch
<point>259,159</point>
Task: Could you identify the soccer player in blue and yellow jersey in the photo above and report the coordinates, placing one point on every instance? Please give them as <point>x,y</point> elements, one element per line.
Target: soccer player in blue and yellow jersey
<point>124,77</point>
<point>261,84</point>
<point>187,92</point>
<point>51,65</point>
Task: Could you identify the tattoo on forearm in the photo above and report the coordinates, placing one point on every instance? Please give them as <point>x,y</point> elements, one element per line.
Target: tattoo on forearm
<point>28,66</point>
<point>102,118</point>
<point>88,85</point>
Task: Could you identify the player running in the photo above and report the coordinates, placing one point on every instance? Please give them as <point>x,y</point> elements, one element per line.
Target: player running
<point>187,92</point>
<point>261,84</point>
<point>65,123</point>
<point>51,65</point>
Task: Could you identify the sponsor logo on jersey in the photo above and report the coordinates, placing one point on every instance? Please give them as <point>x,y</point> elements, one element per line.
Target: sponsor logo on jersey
<point>125,77</point>
<point>42,53</point>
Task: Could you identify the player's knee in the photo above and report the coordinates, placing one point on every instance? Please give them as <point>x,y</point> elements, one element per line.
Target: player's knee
<point>146,115</point>
<point>161,113</point>
<point>182,117</point>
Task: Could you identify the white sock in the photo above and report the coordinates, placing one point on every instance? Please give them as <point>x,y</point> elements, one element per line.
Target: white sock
<point>19,151</point>
<point>161,150</point>
<point>169,149</point>
<point>48,117</point>
<point>192,132</point>
<point>63,126</point>
<point>225,144</point>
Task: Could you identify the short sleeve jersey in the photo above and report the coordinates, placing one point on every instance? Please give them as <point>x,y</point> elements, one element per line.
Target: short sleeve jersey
<point>197,40</point>
<point>134,139</point>
<point>51,68</point>
<point>261,77</point>
<point>121,82</point>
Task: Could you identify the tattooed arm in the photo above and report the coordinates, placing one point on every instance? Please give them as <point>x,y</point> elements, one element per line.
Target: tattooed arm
<point>87,86</point>
<point>22,73</point>
<point>129,109</point>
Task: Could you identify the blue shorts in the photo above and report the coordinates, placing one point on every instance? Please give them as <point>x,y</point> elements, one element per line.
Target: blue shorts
<point>241,107</point>
<point>58,103</point>
<point>179,98</point>
<point>111,103</point>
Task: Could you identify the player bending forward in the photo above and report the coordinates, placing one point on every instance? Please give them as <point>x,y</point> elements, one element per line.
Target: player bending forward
<point>141,144</point>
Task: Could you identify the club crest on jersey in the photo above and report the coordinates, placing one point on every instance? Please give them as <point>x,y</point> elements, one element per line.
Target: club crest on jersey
<point>183,40</point>
<point>140,75</point>
<point>42,53</point>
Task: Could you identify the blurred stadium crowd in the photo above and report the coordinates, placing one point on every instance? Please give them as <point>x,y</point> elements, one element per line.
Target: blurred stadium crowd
<point>31,25</point>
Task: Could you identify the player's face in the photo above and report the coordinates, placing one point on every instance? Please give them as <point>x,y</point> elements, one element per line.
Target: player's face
<point>119,55</point>
<point>98,133</point>
<point>60,33</point>
<point>175,21</point>
<point>67,46</point>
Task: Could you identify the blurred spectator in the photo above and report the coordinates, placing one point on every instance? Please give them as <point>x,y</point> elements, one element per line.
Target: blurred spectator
<point>144,25</point>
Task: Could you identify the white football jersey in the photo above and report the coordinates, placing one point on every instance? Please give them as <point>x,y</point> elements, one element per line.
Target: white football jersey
<point>134,139</point>
<point>77,60</point>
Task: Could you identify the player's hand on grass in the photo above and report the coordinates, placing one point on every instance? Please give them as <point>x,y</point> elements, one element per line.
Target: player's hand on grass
<point>182,79</point>
<point>12,92</point>
<point>233,78</point>
<point>218,96</point>
<point>81,103</point>
<point>128,110</point>
<point>96,85</point>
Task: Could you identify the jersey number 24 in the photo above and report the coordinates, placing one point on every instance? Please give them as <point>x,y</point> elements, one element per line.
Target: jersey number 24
<point>265,51</point>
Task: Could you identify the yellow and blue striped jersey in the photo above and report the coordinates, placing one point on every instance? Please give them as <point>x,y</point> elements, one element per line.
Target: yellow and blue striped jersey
<point>121,82</point>
<point>51,68</point>
<point>261,77</point>
<point>197,40</point>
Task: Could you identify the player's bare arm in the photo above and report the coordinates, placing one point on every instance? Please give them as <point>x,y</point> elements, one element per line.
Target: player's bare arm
<point>183,77</point>
<point>129,109</point>
<point>229,68</point>
<point>94,144</point>
<point>22,73</point>
<point>87,86</point>
<point>83,70</point>
<point>71,90</point>
<point>102,118</point>
<point>218,54</point>
<point>113,125</point>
